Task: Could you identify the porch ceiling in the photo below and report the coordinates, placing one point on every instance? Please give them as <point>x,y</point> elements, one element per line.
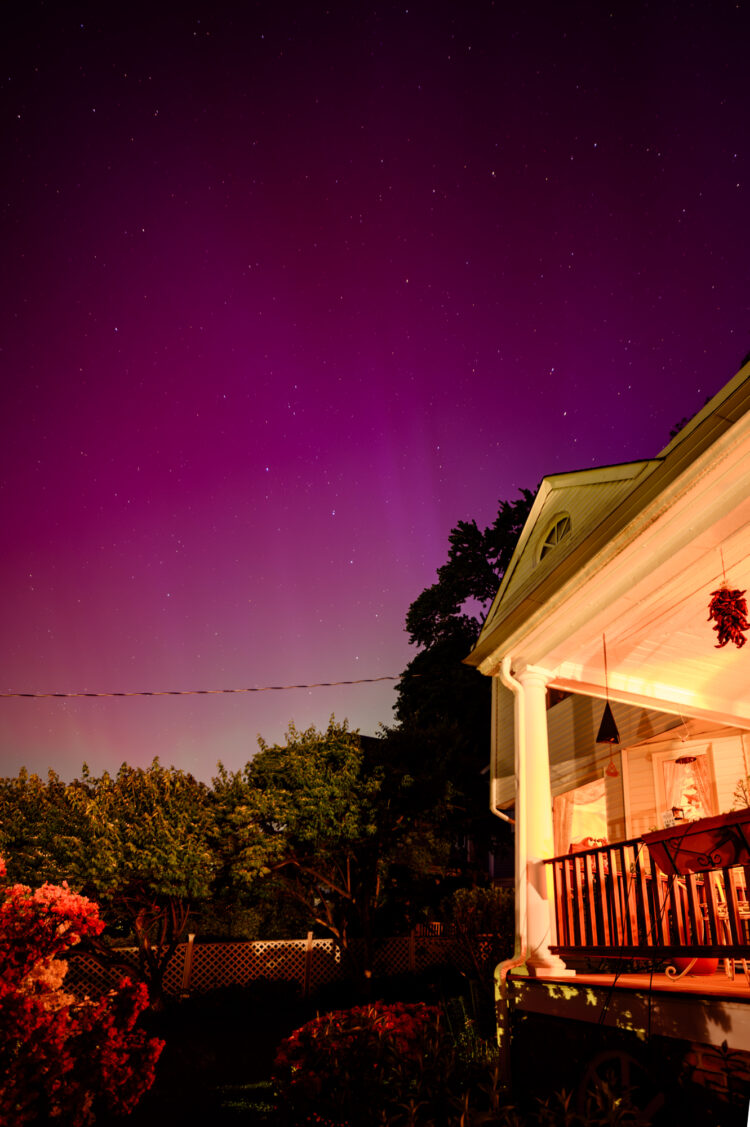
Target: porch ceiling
<point>660,644</point>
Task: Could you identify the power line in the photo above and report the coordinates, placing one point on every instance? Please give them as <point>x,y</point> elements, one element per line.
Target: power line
<point>210,692</point>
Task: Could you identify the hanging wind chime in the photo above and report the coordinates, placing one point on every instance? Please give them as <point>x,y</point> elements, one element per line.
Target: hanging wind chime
<point>728,609</point>
<point>608,733</point>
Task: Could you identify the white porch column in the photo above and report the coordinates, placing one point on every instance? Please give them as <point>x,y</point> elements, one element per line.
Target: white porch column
<point>535,822</point>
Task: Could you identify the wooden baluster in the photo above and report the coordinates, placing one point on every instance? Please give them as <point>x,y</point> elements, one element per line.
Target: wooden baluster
<point>604,869</point>
<point>713,901</point>
<point>696,914</point>
<point>632,895</point>
<point>662,897</point>
<point>646,916</point>
<point>678,901</point>
<point>744,902</point>
<point>592,896</point>
<point>560,914</point>
<point>571,907</point>
<point>619,886</point>
<point>732,885</point>
<point>578,897</point>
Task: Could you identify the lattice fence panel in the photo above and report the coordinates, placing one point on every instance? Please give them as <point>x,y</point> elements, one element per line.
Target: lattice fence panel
<point>230,964</point>
<point>172,981</point>
<point>86,975</point>
<point>327,964</point>
<point>393,956</point>
<point>216,965</point>
<point>433,951</point>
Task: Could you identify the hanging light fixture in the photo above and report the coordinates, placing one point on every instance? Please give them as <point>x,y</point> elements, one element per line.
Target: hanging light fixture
<point>608,733</point>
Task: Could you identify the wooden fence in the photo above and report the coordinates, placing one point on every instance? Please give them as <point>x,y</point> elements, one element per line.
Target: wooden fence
<point>200,967</point>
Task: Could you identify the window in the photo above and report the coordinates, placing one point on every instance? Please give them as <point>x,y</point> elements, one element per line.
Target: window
<point>685,786</point>
<point>580,817</point>
<point>559,530</point>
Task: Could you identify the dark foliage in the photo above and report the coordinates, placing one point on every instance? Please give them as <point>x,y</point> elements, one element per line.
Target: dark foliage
<point>443,706</point>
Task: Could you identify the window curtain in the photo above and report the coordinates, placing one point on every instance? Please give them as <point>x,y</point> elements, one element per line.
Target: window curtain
<point>702,776</point>
<point>672,787</point>
<point>688,787</point>
<point>579,813</point>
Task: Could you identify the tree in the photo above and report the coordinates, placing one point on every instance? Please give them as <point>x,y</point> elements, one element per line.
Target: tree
<point>148,854</point>
<point>60,1057</point>
<point>469,580</point>
<point>445,620</point>
<point>40,828</point>
<point>317,817</point>
<point>443,706</point>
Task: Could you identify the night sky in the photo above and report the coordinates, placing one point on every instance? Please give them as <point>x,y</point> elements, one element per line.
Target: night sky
<point>290,289</point>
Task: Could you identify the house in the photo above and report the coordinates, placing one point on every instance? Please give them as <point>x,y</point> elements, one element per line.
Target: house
<point>604,608</point>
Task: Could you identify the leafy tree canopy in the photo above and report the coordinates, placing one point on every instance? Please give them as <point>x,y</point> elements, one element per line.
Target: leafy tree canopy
<point>40,828</point>
<point>147,853</point>
<point>150,833</point>
<point>436,689</point>
<point>443,706</point>
<point>468,581</point>
<point>322,817</point>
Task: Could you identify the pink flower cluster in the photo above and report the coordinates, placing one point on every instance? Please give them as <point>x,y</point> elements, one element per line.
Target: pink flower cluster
<point>60,1057</point>
<point>40,923</point>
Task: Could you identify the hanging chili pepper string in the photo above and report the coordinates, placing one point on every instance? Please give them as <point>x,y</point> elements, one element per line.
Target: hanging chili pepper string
<point>728,609</point>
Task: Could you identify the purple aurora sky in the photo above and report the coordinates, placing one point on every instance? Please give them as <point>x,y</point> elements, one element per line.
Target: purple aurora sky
<point>289,289</point>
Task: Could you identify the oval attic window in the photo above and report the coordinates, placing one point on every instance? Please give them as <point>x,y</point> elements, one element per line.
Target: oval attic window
<point>559,530</point>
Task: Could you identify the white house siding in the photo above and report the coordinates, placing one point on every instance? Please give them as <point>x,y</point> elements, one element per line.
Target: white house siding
<point>730,765</point>
<point>641,792</point>
<point>616,830</point>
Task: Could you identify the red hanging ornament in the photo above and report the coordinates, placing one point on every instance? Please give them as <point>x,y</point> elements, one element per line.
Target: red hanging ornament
<point>728,609</point>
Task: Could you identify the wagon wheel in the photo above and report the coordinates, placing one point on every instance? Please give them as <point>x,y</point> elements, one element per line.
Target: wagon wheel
<point>622,1075</point>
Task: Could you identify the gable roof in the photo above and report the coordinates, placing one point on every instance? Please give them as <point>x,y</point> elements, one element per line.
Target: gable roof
<point>585,498</point>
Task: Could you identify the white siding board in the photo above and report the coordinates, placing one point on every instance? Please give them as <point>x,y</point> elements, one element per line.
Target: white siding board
<point>729,768</point>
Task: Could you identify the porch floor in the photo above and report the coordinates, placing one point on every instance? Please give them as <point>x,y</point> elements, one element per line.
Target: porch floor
<point>703,1009</point>
<point>718,985</point>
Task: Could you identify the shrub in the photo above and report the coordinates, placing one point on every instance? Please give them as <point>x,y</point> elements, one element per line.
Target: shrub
<point>368,1064</point>
<point>61,1057</point>
<point>484,925</point>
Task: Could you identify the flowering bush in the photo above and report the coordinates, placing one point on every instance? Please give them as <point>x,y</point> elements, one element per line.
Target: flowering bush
<point>366,1064</point>
<point>60,1057</point>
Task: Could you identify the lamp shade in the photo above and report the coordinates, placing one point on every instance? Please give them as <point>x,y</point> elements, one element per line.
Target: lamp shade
<point>608,733</point>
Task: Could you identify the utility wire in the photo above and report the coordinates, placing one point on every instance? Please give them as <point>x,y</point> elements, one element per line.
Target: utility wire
<point>212,692</point>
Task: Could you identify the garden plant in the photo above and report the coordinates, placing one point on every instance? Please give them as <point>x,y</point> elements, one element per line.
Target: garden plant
<point>63,1058</point>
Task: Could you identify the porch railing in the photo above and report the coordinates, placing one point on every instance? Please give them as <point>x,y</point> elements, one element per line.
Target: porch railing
<point>613,901</point>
